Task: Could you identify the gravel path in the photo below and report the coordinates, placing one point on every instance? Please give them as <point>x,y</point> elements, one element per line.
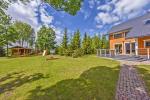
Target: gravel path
<point>130,86</point>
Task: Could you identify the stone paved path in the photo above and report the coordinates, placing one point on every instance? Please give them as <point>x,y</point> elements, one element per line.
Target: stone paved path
<point>130,85</point>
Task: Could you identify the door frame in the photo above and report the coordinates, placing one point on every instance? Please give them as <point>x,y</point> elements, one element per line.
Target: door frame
<point>130,48</point>
<point>121,48</point>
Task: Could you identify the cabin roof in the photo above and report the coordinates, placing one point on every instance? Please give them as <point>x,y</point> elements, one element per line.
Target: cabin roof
<point>19,47</point>
<point>137,27</point>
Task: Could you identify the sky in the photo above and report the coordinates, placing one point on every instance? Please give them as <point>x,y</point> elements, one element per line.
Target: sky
<point>94,17</point>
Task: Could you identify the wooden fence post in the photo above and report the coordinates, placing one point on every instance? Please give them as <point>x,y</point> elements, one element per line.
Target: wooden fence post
<point>148,53</point>
<point>136,52</point>
<point>115,52</point>
<point>105,53</point>
<point>97,52</point>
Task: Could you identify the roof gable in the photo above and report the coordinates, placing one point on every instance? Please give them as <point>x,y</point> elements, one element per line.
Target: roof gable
<point>137,27</point>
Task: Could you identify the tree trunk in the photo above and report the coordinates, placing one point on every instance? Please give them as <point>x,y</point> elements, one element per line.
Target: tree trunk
<point>22,43</point>
<point>7,49</point>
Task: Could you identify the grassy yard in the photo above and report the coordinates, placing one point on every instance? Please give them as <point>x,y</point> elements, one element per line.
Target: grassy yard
<point>34,78</point>
<point>145,73</point>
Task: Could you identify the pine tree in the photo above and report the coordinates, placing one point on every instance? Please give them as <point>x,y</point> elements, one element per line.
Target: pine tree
<point>104,42</point>
<point>89,45</point>
<point>65,40</point>
<point>96,43</point>
<point>76,41</point>
<point>84,43</point>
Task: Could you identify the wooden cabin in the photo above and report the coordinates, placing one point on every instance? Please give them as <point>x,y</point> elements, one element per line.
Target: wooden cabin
<point>20,51</point>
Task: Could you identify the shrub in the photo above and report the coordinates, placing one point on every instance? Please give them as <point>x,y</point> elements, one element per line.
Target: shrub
<point>60,51</point>
<point>2,52</point>
<point>78,53</point>
<point>68,52</point>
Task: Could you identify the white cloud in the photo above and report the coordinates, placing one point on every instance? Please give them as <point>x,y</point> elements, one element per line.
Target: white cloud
<point>126,7</point>
<point>119,10</point>
<point>21,12</point>
<point>99,26</point>
<point>29,13</point>
<point>45,17</point>
<point>106,18</point>
<point>105,8</point>
<point>59,34</point>
<point>93,3</point>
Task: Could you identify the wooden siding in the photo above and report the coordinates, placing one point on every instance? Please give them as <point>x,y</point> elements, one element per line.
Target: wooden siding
<point>141,41</point>
<point>119,41</point>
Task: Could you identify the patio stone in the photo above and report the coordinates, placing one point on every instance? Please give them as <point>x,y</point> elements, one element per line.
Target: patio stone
<point>130,85</point>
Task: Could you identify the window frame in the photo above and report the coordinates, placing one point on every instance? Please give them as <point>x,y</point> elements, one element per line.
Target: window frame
<point>145,43</point>
<point>117,34</point>
<point>147,22</point>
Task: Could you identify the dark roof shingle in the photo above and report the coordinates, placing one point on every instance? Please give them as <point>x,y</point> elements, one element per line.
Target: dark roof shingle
<point>137,27</point>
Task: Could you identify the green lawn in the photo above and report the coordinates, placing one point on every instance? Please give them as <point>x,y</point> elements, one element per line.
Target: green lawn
<point>34,78</point>
<point>145,73</point>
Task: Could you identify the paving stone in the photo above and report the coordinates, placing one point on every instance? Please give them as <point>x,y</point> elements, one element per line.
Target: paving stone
<point>130,86</point>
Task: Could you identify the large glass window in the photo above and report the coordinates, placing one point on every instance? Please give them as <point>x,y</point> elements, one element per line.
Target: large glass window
<point>119,35</point>
<point>147,22</point>
<point>147,43</point>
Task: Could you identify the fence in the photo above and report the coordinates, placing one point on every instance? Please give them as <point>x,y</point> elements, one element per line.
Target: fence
<point>144,52</point>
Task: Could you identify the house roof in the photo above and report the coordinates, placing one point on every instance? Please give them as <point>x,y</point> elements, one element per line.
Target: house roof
<point>137,27</point>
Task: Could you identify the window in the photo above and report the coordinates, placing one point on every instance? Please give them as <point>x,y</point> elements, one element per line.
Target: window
<point>126,33</point>
<point>119,35</point>
<point>147,22</point>
<point>147,43</point>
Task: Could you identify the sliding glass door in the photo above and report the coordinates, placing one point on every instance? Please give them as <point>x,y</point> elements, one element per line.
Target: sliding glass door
<point>130,48</point>
<point>118,48</point>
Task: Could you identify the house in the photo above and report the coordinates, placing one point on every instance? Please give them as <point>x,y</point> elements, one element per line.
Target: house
<point>131,37</point>
<point>20,51</point>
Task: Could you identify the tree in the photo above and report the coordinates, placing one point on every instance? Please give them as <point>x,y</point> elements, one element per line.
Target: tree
<point>84,43</point>
<point>64,43</point>
<point>2,52</point>
<point>69,6</point>
<point>46,38</point>
<point>89,45</point>
<point>24,30</point>
<point>96,43</point>
<point>4,23</point>
<point>76,41</point>
<point>32,39</point>
<point>104,42</point>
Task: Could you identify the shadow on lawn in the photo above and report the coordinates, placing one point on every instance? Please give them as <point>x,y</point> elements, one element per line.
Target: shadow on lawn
<point>13,80</point>
<point>146,76</point>
<point>94,84</point>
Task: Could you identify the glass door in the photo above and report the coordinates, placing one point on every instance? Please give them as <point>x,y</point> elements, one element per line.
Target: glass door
<point>133,48</point>
<point>130,49</point>
<point>127,47</point>
<point>118,48</point>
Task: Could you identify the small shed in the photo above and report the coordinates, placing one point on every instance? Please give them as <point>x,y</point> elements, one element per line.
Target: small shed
<point>20,51</point>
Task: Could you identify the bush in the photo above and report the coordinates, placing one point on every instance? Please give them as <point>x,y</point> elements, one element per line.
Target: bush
<point>2,52</point>
<point>68,52</point>
<point>60,51</point>
<point>78,53</point>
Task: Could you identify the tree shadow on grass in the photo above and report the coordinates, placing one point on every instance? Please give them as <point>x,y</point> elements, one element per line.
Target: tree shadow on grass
<point>16,79</point>
<point>9,76</point>
<point>97,83</point>
<point>145,74</point>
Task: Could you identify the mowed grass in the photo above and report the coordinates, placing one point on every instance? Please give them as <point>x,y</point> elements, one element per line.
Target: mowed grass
<point>35,78</point>
<point>144,70</point>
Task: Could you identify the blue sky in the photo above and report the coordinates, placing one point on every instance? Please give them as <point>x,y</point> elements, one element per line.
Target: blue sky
<point>95,16</point>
